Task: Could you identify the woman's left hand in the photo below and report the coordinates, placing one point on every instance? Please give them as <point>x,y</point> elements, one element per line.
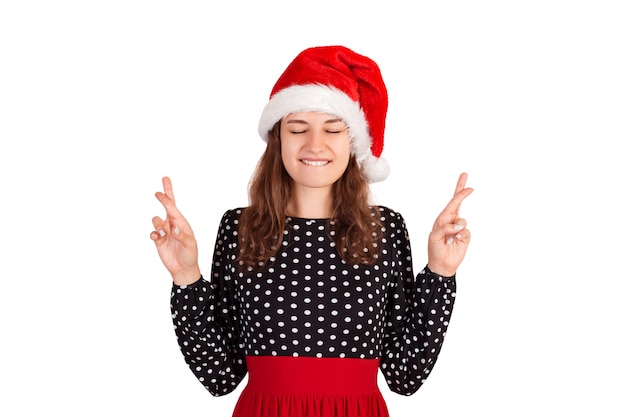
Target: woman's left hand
<point>448,241</point>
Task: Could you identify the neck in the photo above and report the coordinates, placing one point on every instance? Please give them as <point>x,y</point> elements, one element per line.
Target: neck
<point>311,203</point>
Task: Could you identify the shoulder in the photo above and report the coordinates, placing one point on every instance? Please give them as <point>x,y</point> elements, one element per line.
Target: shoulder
<point>392,224</point>
<point>389,216</point>
<point>233,213</point>
<point>230,218</point>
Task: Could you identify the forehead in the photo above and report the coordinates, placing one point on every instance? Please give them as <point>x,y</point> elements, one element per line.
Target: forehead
<point>312,117</point>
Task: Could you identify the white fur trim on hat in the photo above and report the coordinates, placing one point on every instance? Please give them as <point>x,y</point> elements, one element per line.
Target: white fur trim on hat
<point>324,99</point>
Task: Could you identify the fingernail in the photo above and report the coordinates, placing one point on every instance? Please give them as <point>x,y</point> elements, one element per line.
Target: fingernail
<point>162,232</point>
<point>176,230</point>
<point>459,236</point>
<point>458,227</point>
<point>450,240</point>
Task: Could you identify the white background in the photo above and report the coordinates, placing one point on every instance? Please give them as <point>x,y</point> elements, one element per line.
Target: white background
<point>99,100</point>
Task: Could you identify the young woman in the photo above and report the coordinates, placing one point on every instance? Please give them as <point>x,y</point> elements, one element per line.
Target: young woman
<point>312,288</point>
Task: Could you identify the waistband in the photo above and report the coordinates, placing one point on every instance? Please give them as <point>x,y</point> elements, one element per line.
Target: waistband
<point>310,375</point>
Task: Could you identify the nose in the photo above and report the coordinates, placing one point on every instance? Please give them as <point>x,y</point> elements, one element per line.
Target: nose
<point>315,140</point>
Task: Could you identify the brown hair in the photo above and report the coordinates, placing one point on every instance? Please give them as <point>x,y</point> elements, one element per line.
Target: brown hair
<point>356,224</point>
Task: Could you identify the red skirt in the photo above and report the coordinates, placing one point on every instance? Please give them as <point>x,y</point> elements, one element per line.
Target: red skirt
<point>286,386</point>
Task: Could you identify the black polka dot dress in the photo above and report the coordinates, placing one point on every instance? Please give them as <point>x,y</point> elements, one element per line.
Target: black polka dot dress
<point>309,330</point>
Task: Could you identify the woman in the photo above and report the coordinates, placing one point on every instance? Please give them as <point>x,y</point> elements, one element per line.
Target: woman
<point>312,288</point>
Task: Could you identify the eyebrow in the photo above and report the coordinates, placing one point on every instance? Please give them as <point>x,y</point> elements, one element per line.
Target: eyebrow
<point>306,123</point>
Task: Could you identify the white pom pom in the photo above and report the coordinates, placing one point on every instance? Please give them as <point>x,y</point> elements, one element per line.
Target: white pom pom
<point>375,169</point>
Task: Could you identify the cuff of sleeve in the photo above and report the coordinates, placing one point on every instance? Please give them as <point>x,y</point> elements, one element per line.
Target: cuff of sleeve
<point>428,271</point>
<point>199,282</point>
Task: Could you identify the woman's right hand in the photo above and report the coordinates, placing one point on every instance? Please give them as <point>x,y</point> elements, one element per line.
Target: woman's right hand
<point>174,240</point>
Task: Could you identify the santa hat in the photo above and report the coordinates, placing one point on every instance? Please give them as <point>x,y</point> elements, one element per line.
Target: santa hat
<point>338,81</point>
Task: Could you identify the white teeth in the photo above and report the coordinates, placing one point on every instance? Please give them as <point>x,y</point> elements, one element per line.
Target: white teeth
<point>314,163</point>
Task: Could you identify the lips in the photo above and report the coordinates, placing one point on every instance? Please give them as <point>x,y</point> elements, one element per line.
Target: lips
<point>315,163</point>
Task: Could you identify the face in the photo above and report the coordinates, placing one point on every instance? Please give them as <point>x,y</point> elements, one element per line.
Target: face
<point>315,148</point>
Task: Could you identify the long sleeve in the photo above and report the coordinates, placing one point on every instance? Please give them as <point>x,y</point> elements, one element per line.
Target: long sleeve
<point>418,314</point>
<point>205,318</point>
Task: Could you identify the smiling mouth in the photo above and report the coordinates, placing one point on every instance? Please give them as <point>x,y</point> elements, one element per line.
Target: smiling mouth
<point>314,163</point>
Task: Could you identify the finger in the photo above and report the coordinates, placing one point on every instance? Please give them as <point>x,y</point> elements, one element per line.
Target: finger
<point>169,205</point>
<point>460,184</point>
<point>449,229</point>
<point>160,233</point>
<point>460,193</point>
<point>160,228</point>
<point>157,222</point>
<point>154,236</point>
<point>451,211</point>
<point>169,190</point>
<point>452,228</point>
<point>460,224</point>
<point>463,236</point>
<point>179,229</point>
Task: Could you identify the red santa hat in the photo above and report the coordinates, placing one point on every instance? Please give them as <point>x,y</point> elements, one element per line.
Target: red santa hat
<point>338,81</point>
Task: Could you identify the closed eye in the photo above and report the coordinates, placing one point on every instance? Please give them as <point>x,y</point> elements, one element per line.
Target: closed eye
<point>335,126</point>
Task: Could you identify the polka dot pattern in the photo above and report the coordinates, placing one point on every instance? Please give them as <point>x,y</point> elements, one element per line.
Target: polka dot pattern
<point>306,301</point>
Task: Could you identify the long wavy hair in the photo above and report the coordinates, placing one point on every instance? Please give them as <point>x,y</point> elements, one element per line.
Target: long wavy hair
<point>356,224</point>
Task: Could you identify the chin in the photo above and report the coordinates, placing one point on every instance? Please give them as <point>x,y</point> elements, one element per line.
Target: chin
<point>316,182</point>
